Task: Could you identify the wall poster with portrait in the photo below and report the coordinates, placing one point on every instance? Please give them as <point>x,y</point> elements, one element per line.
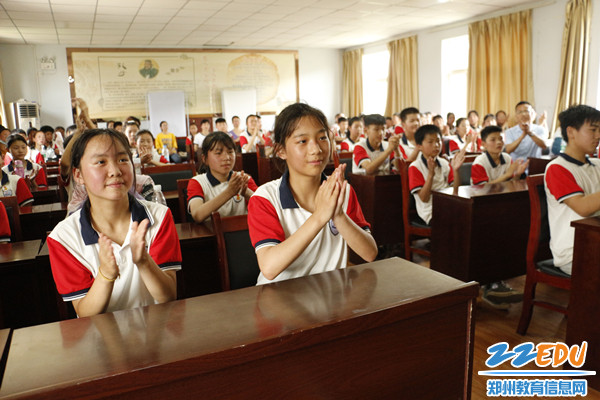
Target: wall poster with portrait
<point>115,82</point>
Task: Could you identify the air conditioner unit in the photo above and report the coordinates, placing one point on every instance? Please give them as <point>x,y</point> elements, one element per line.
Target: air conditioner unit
<point>24,115</point>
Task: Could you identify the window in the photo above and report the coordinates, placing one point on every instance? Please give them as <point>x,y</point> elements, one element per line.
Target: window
<point>455,64</point>
<point>375,74</point>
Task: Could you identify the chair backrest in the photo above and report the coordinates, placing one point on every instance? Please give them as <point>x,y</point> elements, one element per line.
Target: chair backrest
<point>446,145</point>
<point>408,202</point>
<point>237,259</point>
<point>539,229</point>
<point>167,175</point>
<point>464,173</point>
<point>335,157</point>
<point>182,194</point>
<point>11,205</point>
<point>181,144</point>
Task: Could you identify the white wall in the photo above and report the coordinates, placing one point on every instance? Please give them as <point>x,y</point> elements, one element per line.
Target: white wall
<point>23,79</point>
<point>321,79</point>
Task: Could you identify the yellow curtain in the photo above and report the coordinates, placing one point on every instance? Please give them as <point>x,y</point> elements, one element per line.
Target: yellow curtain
<point>3,120</point>
<point>352,104</point>
<point>574,57</point>
<point>403,78</point>
<point>499,74</point>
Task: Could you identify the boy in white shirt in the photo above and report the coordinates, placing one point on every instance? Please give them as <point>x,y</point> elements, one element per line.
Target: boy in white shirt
<point>572,181</point>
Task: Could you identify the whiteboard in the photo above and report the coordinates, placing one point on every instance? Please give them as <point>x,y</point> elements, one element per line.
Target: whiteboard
<point>170,107</point>
<point>240,102</point>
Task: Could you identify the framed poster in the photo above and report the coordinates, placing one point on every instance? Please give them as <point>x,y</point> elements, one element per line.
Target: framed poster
<point>115,82</point>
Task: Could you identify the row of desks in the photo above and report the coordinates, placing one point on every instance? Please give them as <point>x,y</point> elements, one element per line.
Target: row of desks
<point>352,333</point>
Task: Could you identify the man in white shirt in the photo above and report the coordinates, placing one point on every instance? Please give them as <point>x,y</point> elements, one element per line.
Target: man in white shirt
<point>525,139</point>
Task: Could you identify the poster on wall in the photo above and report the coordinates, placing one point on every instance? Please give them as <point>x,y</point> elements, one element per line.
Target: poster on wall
<point>116,83</point>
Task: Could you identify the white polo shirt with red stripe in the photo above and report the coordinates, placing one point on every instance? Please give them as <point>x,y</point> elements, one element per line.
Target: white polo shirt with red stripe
<point>418,173</point>
<point>73,247</point>
<point>406,147</point>
<point>31,170</point>
<point>484,169</point>
<point>207,187</point>
<point>363,151</point>
<point>274,215</point>
<point>567,177</point>
<point>457,143</point>
<point>14,185</point>
<point>245,139</point>
<point>5,231</point>
<point>348,144</point>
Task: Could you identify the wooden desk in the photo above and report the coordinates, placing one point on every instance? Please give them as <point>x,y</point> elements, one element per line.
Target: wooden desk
<point>26,295</point>
<point>52,179</point>
<point>38,219</point>
<point>481,233</point>
<point>46,195</point>
<point>199,273</point>
<point>380,197</point>
<point>538,165</point>
<point>584,301</point>
<point>354,333</point>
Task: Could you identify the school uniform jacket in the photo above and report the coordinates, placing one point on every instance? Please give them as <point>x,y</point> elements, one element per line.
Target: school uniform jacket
<point>14,185</point>
<point>484,169</point>
<point>73,247</point>
<point>31,169</point>
<point>274,215</point>
<point>566,177</point>
<point>207,187</point>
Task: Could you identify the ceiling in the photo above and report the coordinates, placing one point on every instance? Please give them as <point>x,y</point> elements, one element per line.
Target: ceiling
<point>229,23</point>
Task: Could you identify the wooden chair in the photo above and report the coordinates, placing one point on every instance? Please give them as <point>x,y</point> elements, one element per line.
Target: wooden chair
<point>182,147</point>
<point>167,175</point>
<point>464,173</point>
<point>345,157</point>
<point>11,204</point>
<point>182,185</point>
<point>237,260</point>
<point>412,228</point>
<point>540,266</point>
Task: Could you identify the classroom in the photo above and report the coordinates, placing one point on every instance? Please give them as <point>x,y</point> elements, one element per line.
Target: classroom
<point>352,318</point>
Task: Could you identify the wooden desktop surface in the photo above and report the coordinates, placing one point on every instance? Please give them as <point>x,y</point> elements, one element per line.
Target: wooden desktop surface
<point>353,333</point>
<point>481,232</point>
<point>584,302</point>
<point>11,253</point>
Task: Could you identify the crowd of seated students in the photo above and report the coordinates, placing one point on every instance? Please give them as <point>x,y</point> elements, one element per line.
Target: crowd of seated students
<point>301,223</point>
<point>504,144</point>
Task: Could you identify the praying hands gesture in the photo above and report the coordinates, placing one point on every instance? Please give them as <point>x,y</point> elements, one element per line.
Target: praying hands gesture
<point>327,199</point>
<point>238,183</point>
